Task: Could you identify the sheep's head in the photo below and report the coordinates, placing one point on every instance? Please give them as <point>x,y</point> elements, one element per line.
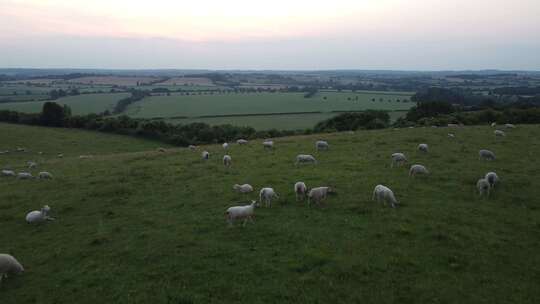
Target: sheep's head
<point>236,186</point>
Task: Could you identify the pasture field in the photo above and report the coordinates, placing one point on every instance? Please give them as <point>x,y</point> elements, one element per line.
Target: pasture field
<point>79,104</point>
<point>134,225</point>
<point>113,80</point>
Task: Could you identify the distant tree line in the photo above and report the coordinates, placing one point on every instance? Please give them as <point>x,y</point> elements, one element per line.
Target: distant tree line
<point>123,103</point>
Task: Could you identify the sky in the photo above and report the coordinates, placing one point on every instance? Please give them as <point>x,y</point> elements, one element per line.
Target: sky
<point>277,34</point>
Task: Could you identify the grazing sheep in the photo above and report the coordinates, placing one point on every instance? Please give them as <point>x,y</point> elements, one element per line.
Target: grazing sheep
<point>266,195</point>
<point>451,135</point>
<point>385,195</point>
<point>245,188</point>
<point>305,158</point>
<point>398,159</point>
<point>205,155</point>
<point>418,169</point>
<point>60,155</point>
<point>493,124</point>
<point>241,213</point>
<point>483,187</point>
<point>300,190</point>
<point>452,125</point>
<point>9,265</point>
<point>510,126</point>
<point>192,147</point>
<point>241,141</point>
<point>499,133</point>
<point>31,164</point>
<point>423,148</point>
<point>24,175</point>
<point>486,155</point>
<point>318,194</point>
<point>492,179</point>
<point>162,150</point>
<point>8,173</point>
<point>268,145</point>
<point>225,146</point>
<point>45,175</point>
<point>37,217</point>
<point>20,149</point>
<point>227,160</point>
<point>85,156</point>
<point>321,145</point>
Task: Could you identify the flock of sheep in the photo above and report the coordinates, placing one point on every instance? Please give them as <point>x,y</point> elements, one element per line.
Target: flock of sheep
<point>381,193</point>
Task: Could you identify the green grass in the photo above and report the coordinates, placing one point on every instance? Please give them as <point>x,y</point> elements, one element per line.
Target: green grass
<point>80,104</point>
<point>149,227</point>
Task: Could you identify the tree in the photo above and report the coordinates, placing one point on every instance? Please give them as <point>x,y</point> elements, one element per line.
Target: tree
<point>52,114</point>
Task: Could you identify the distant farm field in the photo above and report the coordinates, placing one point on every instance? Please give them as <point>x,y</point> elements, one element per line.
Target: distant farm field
<point>80,104</point>
<point>177,81</point>
<point>113,80</point>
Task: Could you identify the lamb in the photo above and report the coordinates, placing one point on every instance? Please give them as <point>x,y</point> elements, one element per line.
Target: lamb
<point>225,146</point>
<point>499,133</point>
<point>305,158</point>
<point>24,175</point>
<point>266,195</point>
<point>423,148</point>
<point>45,175</point>
<point>418,169</point>
<point>510,126</point>
<point>321,145</point>
<point>483,187</point>
<point>492,179</point>
<point>398,159</point>
<point>37,217</point>
<point>192,147</point>
<point>486,155</point>
<point>241,141</point>
<point>8,173</point>
<point>300,190</point>
<point>205,155</point>
<point>318,194</point>
<point>493,124</point>
<point>245,188</point>
<point>227,160</point>
<point>451,135</point>
<point>31,164</point>
<point>241,213</point>
<point>268,145</point>
<point>384,194</point>
<point>9,265</point>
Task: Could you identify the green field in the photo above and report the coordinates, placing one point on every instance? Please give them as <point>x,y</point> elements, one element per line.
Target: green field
<point>138,226</point>
<point>79,104</point>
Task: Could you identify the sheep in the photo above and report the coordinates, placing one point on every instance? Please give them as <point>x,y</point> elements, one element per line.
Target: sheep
<point>398,159</point>
<point>19,149</point>
<point>499,133</point>
<point>452,125</point>
<point>241,141</point>
<point>492,179</point>
<point>300,190</point>
<point>227,160</point>
<point>493,124</point>
<point>385,195</point>
<point>24,175</point>
<point>31,164</point>
<point>45,175</point>
<point>418,169</point>
<point>37,217</point>
<point>245,188</point>
<point>266,195</point>
<point>483,187</point>
<point>60,155</point>
<point>241,213</point>
<point>162,150</point>
<point>225,146</point>
<point>510,126</point>
<point>205,155</point>
<point>192,147</point>
<point>423,148</point>
<point>268,145</point>
<point>451,135</point>
<point>85,156</point>
<point>305,158</point>
<point>9,265</point>
<point>321,145</point>
<point>318,194</point>
<point>8,173</point>
<point>486,155</point>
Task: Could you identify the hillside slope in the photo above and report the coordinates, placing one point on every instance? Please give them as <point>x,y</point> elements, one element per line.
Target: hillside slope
<point>138,226</point>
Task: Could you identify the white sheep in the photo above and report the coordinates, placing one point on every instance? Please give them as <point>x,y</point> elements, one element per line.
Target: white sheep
<point>510,126</point>
<point>192,147</point>
<point>160,149</point>
<point>318,194</point>
<point>321,145</point>
<point>245,188</point>
<point>300,190</point>
<point>266,195</point>
<point>225,146</point>
<point>451,135</point>
<point>9,265</point>
<point>85,156</point>
<point>493,124</point>
<point>31,164</point>
<point>37,217</point>
<point>305,158</point>
<point>60,155</point>
<point>45,175</point>
<point>483,187</point>
<point>8,173</point>
<point>499,133</point>
<point>242,142</point>
<point>398,159</point>
<point>423,147</point>
<point>241,213</point>
<point>24,175</point>
<point>205,155</point>
<point>452,125</point>
<point>486,155</point>
<point>385,195</point>
<point>268,145</point>
<point>227,160</point>
<point>418,169</point>
<point>492,179</point>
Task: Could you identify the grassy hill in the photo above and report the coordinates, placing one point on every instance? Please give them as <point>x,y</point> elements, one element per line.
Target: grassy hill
<point>138,226</point>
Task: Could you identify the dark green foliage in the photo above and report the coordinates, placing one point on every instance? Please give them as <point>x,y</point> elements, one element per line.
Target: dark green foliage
<point>429,109</point>
<point>122,104</point>
<point>370,119</point>
<point>53,114</point>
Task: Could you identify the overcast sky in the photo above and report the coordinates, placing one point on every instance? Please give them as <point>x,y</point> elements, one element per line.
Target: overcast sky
<point>277,34</point>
